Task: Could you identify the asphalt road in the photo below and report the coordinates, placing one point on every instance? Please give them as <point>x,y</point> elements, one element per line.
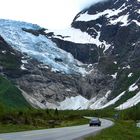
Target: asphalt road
<point>65,133</point>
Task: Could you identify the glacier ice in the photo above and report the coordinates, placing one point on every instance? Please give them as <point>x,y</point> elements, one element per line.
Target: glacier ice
<point>38,47</point>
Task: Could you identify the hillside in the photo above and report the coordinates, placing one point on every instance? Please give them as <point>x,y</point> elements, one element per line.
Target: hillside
<point>93,64</point>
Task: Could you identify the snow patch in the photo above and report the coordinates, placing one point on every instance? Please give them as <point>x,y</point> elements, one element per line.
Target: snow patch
<point>43,66</point>
<point>123,19</point>
<point>114,75</point>
<point>138,23</point>
<point>77,36</point>
<point>73,35</point>
<point>108,13</point>
<point>99,103</point>
<point>68,90</point>
<point>127,67</point>
<point>130,103</point>
<point>24,61</point>
<point>12,53</point>
<point>130,75</point>
<point>74,103</point>
<point>23,67</point>
<point>114,100</point>
<point>79,103</point>
<point>133,87</point>
<point>4,52</point>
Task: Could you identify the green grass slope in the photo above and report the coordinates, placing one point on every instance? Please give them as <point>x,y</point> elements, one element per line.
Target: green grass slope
<point>10,96</point>
<point>122,130</point>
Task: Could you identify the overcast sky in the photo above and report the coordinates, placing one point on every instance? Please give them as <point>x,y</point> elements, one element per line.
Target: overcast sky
<point>52,14</point>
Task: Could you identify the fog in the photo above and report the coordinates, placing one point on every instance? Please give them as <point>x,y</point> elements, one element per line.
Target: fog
<point>52,14</point>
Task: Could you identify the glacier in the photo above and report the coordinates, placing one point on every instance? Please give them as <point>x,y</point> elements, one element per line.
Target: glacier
<point>39,47</point>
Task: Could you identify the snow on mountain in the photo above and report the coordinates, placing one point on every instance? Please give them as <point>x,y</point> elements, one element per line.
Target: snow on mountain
<point>108,13</point>
<point>133,87</point>
<point>105,25</point>
<point>130,103</point>
<point>113,101</point>
<point>80,103</point>
<point>114,75</point>
<point>72,34</point>
<point>138,23</point>
<point>113,15</point>
<point>110,31</point>
<point>74,103</point>
<point>77,36</point>
<point>38,47</point>
<point>130,74</point>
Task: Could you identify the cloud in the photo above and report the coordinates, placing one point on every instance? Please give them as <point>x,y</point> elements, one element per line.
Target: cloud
<point>86,3</point>
<point>47,13</point>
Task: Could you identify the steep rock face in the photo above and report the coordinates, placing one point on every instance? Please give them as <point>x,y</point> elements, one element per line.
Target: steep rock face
<point>10,60</point>
<point>112,30</point>
<point>117,24</point>
<point>86,53</point>
<point>93,64</point>
<point>41,86</point>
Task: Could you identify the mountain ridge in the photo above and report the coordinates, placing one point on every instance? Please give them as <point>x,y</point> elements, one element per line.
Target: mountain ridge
<point>96,44</point>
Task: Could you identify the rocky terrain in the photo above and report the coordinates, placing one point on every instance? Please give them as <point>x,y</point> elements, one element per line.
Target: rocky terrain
<point>94,64</point>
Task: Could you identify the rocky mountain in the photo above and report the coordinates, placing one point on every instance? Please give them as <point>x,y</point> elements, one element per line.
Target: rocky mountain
<point>93,64</point>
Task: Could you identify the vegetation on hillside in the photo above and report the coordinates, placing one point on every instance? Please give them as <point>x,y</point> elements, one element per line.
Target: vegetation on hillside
<point>29,119</point>
<point>122,130</point>
<point>10,96</point>
<point>17,115</point>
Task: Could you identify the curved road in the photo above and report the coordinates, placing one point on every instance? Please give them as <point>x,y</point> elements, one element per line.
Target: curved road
<point>65,133</point>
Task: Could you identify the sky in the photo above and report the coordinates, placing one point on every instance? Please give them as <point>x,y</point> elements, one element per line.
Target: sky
<point>51,14</point>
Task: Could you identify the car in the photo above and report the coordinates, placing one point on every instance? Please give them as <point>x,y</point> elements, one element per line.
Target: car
<point>95,122</point>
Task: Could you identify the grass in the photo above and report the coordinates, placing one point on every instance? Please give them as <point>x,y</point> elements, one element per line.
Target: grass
<point>74,122</point>
<point>6,128</point>
<point>10,96</point>
<point>122,130</point>
<point>17,115</point>
<point>32,119</point>
<point>16,128</point>
<point>42,124</point>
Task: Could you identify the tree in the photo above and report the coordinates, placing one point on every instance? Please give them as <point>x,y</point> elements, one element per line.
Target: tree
<point>56,113</point>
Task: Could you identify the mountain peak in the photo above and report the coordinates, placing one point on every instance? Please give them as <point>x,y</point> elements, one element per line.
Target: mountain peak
<point>94,64</point>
